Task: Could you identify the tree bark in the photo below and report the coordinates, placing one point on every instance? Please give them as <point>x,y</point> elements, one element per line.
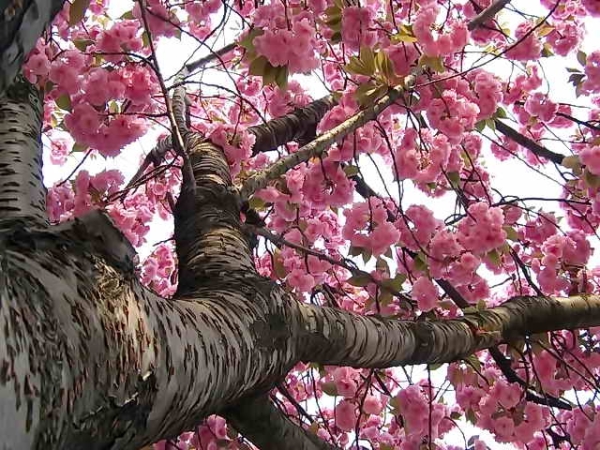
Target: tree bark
<point>22,192</point>
<point>22,22</point>
<point>267,427</point>
<point>299,126</point>
<point>91,359</point>
<point>336,337</point>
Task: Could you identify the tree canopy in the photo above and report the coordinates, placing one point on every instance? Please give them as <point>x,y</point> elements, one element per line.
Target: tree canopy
<point>384,217</point>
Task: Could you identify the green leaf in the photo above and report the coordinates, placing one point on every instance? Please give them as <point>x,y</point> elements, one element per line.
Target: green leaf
<point>78,148</point>
<point>281,78</point>
<point>455,415</point>
<point>421,262</point>
<point>329,388</point>
<point>361,279</point>
<point>248,41</point>
<point>395,284</point>
<point>474,361</point>
<point>77,11</point>
<point>64,102</point>
<point>366,93</point>
<point>49,86</point>
<point>454,178</point>
<point>366,255</point>
<point>434,63</point>
<point>576,78</point>
<point>591,179</point>
<point>571,162</point>
<point>82,44</point>
<point>350,170</point>
<point>336,38</point>
<point>128,16</point>
<point>278,266</point>
<point>406,34</point>
<point>270,74</point>
<point>258,66</point>
<point>145,39</point>
<point>511,233</point>
<point>471,417</point>
<point>384,65</point>
<point>500,113</point>
<point>355,251</point>
<point>494,257</point>
<point>480,126</point>
<point>357,67</point>
<point>547,51</point>
<point>256,203</point>
<point>582,57</point>
<point>367,57</point>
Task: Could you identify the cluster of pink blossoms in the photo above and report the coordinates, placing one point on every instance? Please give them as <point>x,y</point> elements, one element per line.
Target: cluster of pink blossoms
<point>159,270</point>
<point>453,39</point>
<point>282,46</point>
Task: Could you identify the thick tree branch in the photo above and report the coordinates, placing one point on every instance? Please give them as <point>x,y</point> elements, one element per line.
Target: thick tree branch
<point>333,336</point>
<point>209,240</point>
<point>487,14</point>
<point>529,144</point>
<point>91,359</point>
<point>299,126</point>
<point>21,25</point>
<point>22,191</point>
<point>268,428</point>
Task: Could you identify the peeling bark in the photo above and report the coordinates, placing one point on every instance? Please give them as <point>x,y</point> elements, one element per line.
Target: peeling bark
<point>210,243</point>
<point>22,192</point>
<point>90,359</point>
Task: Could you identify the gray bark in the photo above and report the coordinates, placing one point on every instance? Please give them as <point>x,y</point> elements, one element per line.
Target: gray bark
<point>22,193</point>
<point>22,22</point>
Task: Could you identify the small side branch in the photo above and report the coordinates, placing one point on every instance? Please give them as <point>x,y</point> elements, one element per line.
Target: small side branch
<point>529,144</point>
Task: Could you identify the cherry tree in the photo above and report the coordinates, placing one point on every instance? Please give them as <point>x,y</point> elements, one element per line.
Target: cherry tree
<point>306,298</point>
